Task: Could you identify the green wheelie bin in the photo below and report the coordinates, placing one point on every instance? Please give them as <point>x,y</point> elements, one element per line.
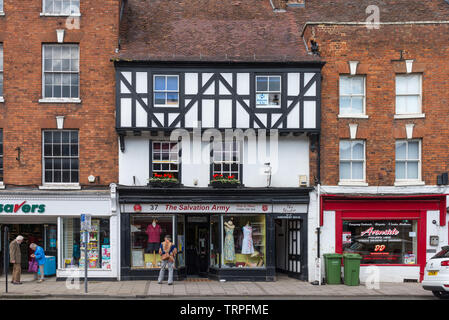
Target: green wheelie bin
<point>351,269</point>
<point>332,263</point>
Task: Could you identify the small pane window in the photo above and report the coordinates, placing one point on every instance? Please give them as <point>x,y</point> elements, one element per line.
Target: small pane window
<point>352,160</point>
<point>352,95</point>
<point>408,94</point>
<point>408,160</point>
<point>226,159</point>
<point>1,5</point>
<point>61,71</point>
<point>166,90</point>
<point>268,91</point>
<point>165,158</point>
<point>61,161</point>
<point>61,7</point>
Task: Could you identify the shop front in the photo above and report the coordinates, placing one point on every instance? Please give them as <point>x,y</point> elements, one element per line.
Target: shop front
<point>219,234</point>
<point>393,234</point>
<point>52,221</point>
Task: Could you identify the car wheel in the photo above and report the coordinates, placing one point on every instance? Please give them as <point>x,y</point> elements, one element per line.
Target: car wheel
<point>441,294</point>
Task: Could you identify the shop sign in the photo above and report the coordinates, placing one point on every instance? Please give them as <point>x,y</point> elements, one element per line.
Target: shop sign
<point>215,208</point>
<point>23,207</point>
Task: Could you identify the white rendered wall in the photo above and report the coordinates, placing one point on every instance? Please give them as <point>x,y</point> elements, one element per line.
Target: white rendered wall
<point>289,158</point>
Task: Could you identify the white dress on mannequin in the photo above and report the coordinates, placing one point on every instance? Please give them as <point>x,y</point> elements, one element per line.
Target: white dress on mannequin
<point>247,243</point>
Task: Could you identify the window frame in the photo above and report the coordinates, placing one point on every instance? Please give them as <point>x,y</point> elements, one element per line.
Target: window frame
<point>2,68</point>
<point>61,14</point>
<point>68,99</point>
<point>404,75</point>
<point>178,162</point>
<point>268,92</point>
<point>2,166</point>
<point>2,5</point>
<point>419,179</point>
<point>166,91</point>
<point>53,157</point>
<point>363,95</point>
<point>340,160</point>
<point>223,150</point>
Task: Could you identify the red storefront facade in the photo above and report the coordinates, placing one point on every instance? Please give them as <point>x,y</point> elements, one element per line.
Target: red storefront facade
<point>388,231</point>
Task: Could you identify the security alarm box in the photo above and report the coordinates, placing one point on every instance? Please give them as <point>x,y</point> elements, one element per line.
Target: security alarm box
<point>434,240</point>
<point>303,181</point>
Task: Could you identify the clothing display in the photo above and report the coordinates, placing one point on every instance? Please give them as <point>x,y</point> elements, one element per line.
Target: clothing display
<point>152,247</point>
<point>229,247</point>
<point>154,233</point>
<point>247,245</point>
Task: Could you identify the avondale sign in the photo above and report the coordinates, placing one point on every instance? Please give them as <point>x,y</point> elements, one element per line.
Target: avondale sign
<point>23,207</point>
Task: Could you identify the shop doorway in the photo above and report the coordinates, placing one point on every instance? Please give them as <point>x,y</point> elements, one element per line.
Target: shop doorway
<point>44,235</point>
<point>289,249</point>
<point>197,246</point>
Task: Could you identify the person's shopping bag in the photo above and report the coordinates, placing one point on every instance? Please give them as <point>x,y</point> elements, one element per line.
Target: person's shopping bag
<point>33,266</point>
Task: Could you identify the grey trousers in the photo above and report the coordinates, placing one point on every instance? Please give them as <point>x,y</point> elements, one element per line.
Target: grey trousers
<point>41,269</point>
<point>166,263</point>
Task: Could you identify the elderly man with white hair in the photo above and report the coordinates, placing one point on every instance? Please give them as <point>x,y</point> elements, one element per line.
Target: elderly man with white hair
<point>16,258</point>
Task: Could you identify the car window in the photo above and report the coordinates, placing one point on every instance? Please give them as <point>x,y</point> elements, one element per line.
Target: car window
<point>442,254</point>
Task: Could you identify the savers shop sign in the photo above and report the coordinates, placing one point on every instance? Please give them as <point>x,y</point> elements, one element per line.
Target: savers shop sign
<point>21,208</point>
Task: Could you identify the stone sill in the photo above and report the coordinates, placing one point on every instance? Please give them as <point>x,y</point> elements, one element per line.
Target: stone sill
<point>2,13</point>
<point>409,183</point>
<point>353,116</point>
<point>353,183</point>
<point>57,186</point>
<point>2,186</point>
<point>43,14</point>
<point>2,99</point>
<point>410,116</point>
<point>59,100</point>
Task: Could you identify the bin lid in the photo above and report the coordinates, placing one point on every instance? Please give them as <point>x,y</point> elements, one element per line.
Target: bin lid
<point>353,256</point>
<point>332,255</point>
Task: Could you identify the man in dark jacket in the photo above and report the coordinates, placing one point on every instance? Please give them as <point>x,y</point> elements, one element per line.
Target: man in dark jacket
<point>16,258</point>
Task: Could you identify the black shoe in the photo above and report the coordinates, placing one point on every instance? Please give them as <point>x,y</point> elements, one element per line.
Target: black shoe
<point>17,283</point>
<point>171,283</point>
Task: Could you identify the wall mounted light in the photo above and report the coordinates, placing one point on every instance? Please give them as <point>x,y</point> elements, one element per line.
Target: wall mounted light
<point>91,178</point>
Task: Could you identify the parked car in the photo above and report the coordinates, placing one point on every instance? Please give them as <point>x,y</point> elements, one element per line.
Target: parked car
<point>436,274</point>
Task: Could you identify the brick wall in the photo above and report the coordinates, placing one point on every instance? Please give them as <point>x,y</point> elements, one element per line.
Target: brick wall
<point>375,50</point>
<point>22,117</point>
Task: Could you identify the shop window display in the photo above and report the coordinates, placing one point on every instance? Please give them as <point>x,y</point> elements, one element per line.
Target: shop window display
<point>382,241</point>
<point>147,233</point>
<point>181,242</point>
<point>243,241</point>
<point>98,247</point>
<point>215,241</point>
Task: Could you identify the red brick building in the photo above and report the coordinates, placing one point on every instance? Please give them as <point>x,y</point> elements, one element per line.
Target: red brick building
<point>384,130</point>
<point>55,62</point>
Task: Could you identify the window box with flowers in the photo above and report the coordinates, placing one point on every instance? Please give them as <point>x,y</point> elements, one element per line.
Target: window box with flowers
<point>220,181</point>
<point>165,180</point>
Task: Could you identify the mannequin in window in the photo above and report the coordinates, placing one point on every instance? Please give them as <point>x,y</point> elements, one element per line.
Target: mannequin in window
<point>154,236</point>
<point>247,244</point>
<point>229,248</point>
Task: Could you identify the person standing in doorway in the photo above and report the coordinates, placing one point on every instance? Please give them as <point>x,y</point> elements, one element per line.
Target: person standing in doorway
<point>39,255</point>
<point>168,251</point>
<point>15,257</point>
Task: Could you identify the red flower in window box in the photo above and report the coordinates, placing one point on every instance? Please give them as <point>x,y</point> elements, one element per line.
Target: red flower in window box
<point>220,181</point>
<point>165,180</point>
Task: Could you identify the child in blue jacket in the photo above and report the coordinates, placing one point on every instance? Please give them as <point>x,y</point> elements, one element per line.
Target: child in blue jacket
<point>39,255</point>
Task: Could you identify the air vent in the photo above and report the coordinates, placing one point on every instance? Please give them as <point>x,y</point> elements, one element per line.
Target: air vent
<point>410,280</point>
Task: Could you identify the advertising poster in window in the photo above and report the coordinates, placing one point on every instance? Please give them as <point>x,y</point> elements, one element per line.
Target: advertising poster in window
<point>381,241</point>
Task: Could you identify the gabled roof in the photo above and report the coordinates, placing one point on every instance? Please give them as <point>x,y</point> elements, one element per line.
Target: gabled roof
<point>210,30</point>
<point>246,30</point>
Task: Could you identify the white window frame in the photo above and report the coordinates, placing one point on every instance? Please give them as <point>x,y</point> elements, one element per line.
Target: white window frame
<point>417,114</point>
<point>352,115</point>
<point>352,181</point>
<point>417,181</point>
<point>59,185</point>
<point>60,14</point>
<point>2,8</point>
<point>223,149</point>
<point>169,161</point>
<point>268,92</point>
<point>2,63</point>
<point>60,99</point>
<point>165,91</point>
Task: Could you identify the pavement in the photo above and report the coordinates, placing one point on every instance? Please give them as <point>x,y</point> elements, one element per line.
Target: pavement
<point>284,287</point>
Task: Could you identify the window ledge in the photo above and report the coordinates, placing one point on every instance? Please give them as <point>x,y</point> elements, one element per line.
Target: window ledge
<point>2,99</point>
<point>410,116</point>
<point>409,183</point>
<point>2,186</point>
<point>60,186</point>
<point>353,183</point>
<point>59,100</point>
<point>353,116</point>
<point>2,13</point>
<point>43,14</point>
